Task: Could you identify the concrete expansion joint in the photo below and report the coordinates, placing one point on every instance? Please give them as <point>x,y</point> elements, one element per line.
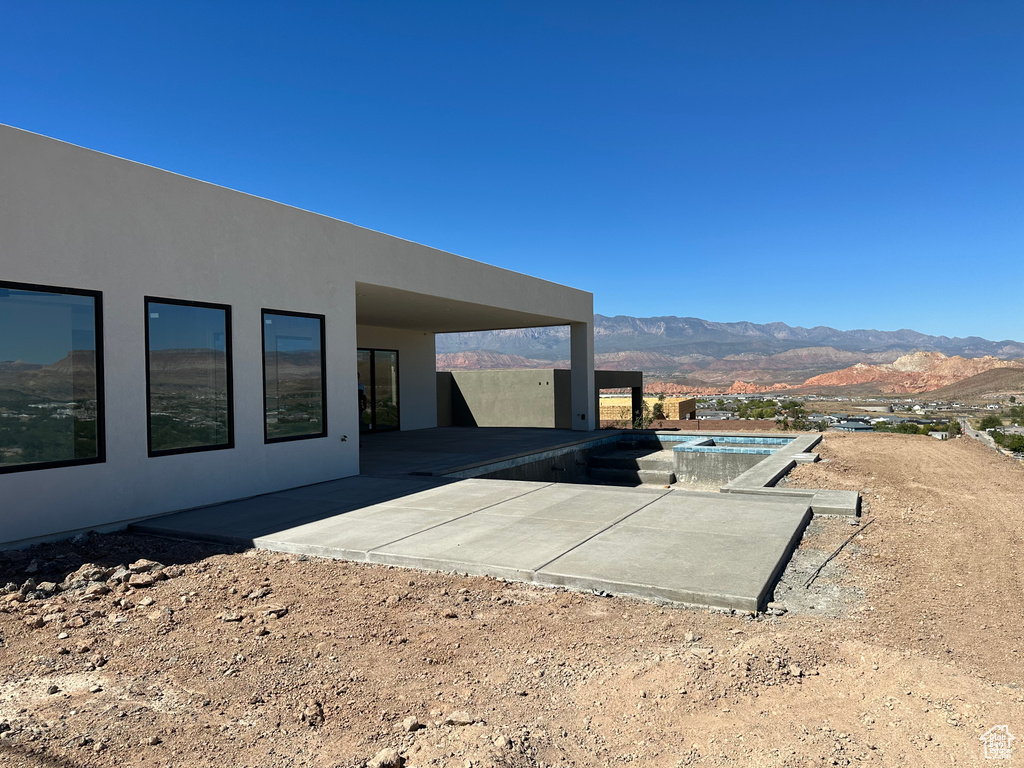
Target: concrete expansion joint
<point>610,525</point>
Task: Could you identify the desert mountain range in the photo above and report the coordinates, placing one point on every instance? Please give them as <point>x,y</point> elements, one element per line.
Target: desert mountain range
<point>688,354</point>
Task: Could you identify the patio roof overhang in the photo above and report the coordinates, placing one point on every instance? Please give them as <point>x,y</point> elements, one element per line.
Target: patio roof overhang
<point>387,307</point>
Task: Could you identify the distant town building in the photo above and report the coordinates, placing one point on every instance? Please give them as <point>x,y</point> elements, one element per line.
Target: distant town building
<point>852,425</point>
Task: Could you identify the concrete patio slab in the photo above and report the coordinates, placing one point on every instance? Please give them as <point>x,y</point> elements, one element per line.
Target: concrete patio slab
<point>354,534</point>
<point>516,538</point>
<point>359,490</point>
<point>699,548</point>
<point>718,549</point>
<point>238,522</point>
<point>463,496</point>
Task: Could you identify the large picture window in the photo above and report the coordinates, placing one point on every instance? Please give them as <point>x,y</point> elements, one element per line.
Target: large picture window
<point>294,377</point>
<point>51,377</point>
<point>188,376</point>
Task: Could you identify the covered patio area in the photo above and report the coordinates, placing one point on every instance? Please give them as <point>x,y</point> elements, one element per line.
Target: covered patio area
<point>444,450</point>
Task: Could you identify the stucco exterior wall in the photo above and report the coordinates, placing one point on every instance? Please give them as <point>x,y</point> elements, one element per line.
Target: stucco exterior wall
<point>71,217</point>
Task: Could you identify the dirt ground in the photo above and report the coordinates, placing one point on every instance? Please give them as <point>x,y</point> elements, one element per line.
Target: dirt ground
<point>906,649</point>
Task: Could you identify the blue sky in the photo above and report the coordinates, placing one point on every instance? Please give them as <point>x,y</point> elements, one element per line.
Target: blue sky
<point>852,164</point>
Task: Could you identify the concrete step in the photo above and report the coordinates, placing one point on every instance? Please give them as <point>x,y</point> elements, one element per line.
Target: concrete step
<point>656,476</point>
<point>615,476</point>
<point>653,461</point>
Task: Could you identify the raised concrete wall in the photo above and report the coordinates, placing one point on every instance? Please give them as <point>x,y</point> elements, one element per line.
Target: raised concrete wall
<point>71,217</point>
<point>539,397</point>
<point>514,398</point>
<point>713,468</point>
<point>568,467</point>
<point>444,398</point>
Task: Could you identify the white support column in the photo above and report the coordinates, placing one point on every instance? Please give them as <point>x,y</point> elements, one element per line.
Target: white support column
<point>581,339</point>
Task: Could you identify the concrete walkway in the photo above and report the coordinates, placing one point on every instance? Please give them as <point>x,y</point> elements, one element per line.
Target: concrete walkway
<point>714,549</point>
<point>449,449</point>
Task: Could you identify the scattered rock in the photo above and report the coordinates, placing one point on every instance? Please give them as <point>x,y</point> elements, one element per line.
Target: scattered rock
<point>313,714</point>
<point>503,742</point>
<point>258,594</point>
<point>795,671</point>
<point>120,575</point>
<point>703,653</point>
<point>86,573</point>
<point>459,718</point>
<point>161,614</point>
<point>386,758</point>
<point>146,602</point>
<point>411,724</point>
<point>275,611</point>
<point>450,614</point>
<point>95,688</point>
<point>52,690</point>
<point>144,566</point>
<point>691,637</point>
<point>141,580</point>
<point>231,617</point>
<point>152,741</point>
<point>96,589</point>
<point>35,622</point>
<point>173,571</point>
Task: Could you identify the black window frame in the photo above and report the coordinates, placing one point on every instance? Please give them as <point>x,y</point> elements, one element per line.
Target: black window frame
<point>101,415</point>
<point>373,387</point>
<point>229,379</point>
<point>267,440</point>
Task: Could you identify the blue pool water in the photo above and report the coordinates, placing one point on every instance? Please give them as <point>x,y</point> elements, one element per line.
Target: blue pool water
<point>724,444</point>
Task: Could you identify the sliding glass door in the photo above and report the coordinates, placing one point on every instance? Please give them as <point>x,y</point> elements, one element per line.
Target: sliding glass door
<point>378,389</point>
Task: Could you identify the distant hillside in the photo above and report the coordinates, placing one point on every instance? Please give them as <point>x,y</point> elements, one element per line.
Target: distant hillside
<point>477,359</point>
<point>704,353</point>
<point>919,372</point>
<point>994,382</point>
<point>69,378</point>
